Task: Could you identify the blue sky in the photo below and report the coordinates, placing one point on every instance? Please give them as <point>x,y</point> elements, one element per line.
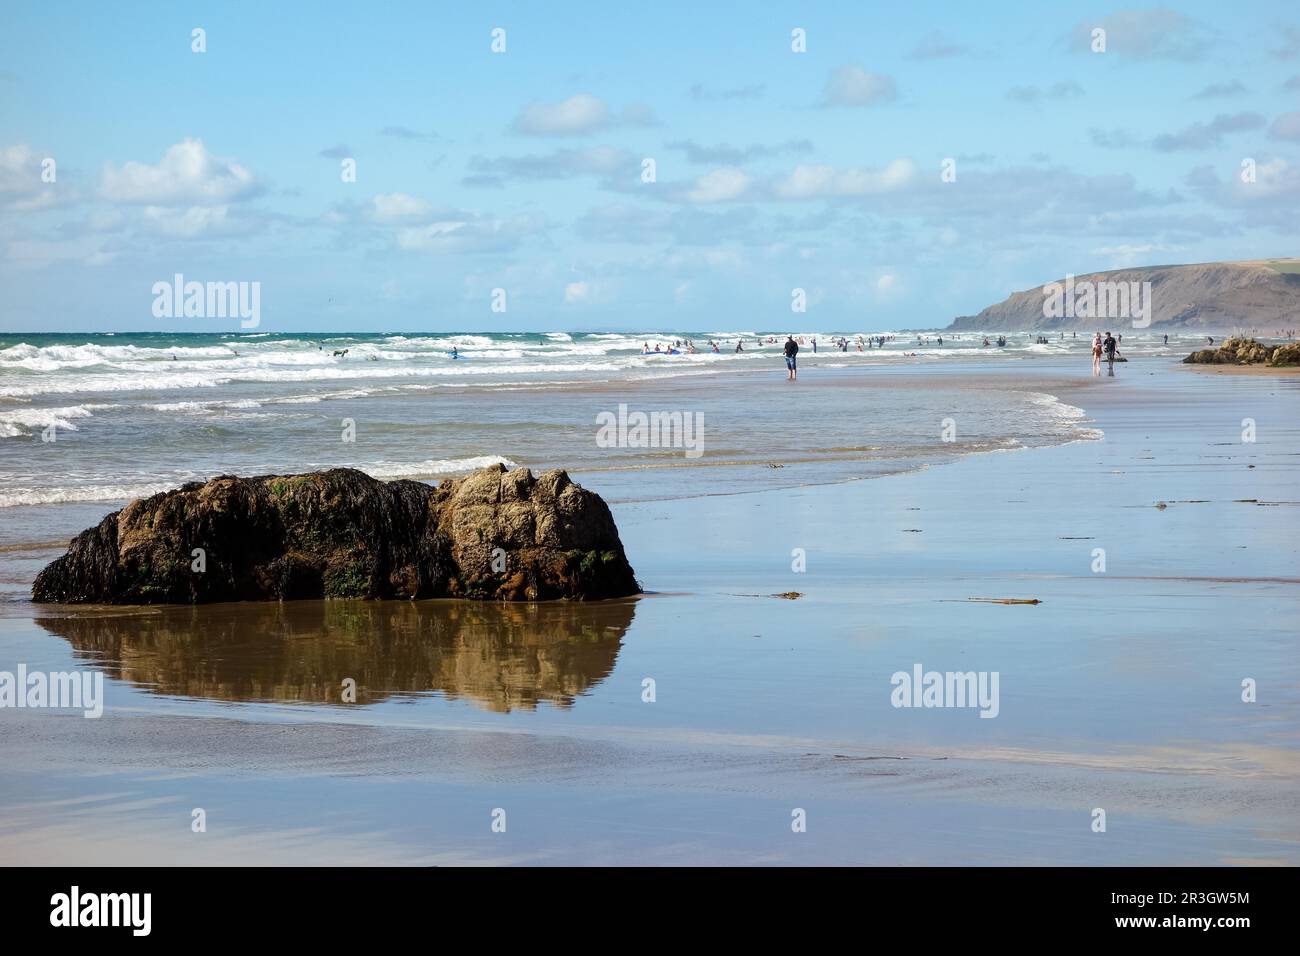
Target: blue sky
<point>522,170</point>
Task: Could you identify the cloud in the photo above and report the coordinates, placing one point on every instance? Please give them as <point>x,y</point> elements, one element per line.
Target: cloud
<point>821,182</point>
<point>600,161</point>
<point>187,175</point>
<point>1205,135</point>
<point>21,185</point>
<point>1271,201</point>
<point>341,151</point>
<point>720,185</point>
<point>704,93</point>
<point>1220,91</point>
<point>854,86</point>
<point>468,233</point>
<point>934,46</point>
<point>413,224</point>
<point>577,116</point>
<point>398,207</point>
<point>200,222</point>
<point>1057,91</point>
<point>724,154</point>
<point>1286,126</point>
<point>1156,34</point>
<point>582,292</point>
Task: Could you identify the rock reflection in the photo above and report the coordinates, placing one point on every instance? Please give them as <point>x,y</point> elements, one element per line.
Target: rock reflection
<point>501,657</point>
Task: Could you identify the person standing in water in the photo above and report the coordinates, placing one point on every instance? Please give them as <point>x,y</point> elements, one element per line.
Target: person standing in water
<point>791,350</point>
<point>1096,353</point>
<point>1108,344</point>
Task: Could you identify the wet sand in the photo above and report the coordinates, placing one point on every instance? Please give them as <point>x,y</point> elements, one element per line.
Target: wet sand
<point>1121,690</point>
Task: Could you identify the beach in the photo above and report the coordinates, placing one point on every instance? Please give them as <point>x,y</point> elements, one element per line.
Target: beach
<point>1122,690</point>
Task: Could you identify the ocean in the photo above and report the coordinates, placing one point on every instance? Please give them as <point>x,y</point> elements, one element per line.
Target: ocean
<point>89,422</point>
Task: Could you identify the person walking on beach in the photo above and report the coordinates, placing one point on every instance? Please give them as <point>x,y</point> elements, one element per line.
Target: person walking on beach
<point>1108,345</point>
<point>791,350</point>
<point>1096,353</point>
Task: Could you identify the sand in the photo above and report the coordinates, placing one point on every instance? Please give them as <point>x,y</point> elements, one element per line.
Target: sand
<point>1120,691</point>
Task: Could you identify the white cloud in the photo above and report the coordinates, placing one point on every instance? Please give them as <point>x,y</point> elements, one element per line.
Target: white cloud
<point>719,185</point>
<point>432,236</point>
<point>854,86</point>
<point>819,181</point>
<point>195,221</point>
<point>398,207</point>
<point>459,232</point>
<point>22,184</point>
<point>20,170</point>
<point>576,293</point>
<point>578,114</point>
<point>187,175</point>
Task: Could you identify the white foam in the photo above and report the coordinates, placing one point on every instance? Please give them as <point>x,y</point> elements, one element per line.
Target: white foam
<point>433,467</point>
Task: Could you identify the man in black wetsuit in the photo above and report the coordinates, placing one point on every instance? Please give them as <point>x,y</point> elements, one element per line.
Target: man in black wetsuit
<point>791,350</point>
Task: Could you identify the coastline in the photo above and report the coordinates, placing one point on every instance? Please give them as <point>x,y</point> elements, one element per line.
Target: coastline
<point>766,705</point>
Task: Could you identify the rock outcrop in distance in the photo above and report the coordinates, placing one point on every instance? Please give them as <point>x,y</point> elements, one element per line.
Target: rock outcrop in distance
<point>1241,351</point>
<point>1252,296</point>
<point>494,534</point>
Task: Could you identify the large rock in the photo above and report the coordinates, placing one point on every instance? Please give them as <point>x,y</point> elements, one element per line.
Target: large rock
<point>341,533</point>
<point>1243,351</point>
<point>1285,355</point>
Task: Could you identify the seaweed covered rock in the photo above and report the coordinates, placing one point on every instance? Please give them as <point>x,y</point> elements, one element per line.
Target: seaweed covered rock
<point>494,534</point>
<point>1243,351</point>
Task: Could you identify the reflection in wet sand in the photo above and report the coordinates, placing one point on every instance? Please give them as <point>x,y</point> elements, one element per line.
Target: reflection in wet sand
<point>498,656</point>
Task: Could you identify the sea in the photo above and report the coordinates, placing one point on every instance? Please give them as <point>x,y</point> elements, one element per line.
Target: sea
<point>89,422</point>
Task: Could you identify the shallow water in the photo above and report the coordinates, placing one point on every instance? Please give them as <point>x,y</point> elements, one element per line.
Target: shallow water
<point>86,425</point>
